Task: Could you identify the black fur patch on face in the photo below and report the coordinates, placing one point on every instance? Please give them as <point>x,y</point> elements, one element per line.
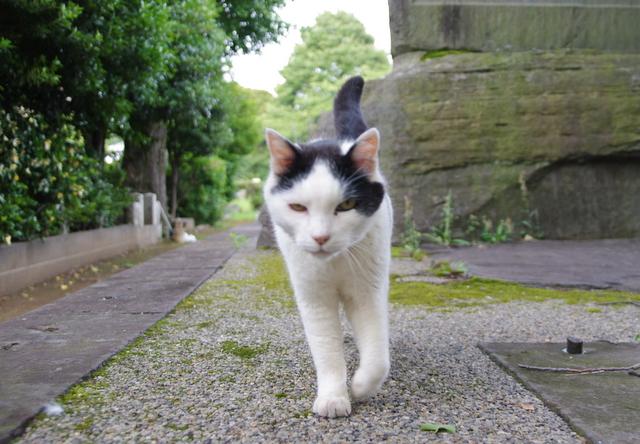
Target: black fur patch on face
<point>367,194</point>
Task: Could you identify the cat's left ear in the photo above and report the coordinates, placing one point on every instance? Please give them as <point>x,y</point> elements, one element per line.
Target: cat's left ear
<point>364,152</point>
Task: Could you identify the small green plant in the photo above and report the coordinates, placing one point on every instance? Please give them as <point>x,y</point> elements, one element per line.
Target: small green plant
<point>530,223</point>
<point>501,233</point>
<point>411,238</point>
<point>239,240</point>
<point>483,229</point>
<point>441,233</point>
<point>450,269</point>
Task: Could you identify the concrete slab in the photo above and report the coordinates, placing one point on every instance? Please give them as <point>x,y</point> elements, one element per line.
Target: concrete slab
<point>605,263</point>
<point>44,352</point>
<point>603,407</point>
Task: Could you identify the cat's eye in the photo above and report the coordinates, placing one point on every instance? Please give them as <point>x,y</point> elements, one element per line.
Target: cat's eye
<point>297,207</point>
<point>346,205</point>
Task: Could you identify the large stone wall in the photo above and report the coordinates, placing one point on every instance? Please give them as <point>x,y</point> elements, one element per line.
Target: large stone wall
<point>566,125</point>
<point>545,120</point>
<point>514,25</point>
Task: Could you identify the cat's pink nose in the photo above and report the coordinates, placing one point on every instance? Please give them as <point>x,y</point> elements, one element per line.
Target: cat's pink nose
<point>321,240</point>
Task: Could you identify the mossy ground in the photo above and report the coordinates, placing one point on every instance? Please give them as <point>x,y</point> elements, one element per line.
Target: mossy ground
<point>270,293</point>
<point>477,291</point>
<point>243,351</point>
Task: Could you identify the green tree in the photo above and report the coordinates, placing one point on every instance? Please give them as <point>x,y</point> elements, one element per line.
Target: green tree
<point>332,50</point>
<point>83,59</point>
<point>193,151</point>
<point>192,99</point>
<point>249,24</point>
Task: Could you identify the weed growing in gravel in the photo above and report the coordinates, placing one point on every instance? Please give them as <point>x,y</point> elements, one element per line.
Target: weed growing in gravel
<point>478,291</point>
<point>205,325</point>
<point>448,269</point>
<point>91,391</point>
<point>243,351</point>
<point>85,425</point>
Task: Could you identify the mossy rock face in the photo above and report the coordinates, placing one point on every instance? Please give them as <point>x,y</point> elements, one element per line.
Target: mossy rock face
<point>552,132</point>
<point>505,25</point>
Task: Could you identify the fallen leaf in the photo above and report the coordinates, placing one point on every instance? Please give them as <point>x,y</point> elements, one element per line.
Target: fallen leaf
<point>94,268</point>
<point>437,428</point>
<point>64,287</point>
<point>526,406</point>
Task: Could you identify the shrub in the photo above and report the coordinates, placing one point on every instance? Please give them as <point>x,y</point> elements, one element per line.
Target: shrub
<point>204,188</point>
<point>48,184</point>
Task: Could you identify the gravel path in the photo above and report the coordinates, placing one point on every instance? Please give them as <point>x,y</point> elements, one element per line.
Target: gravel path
<point>231,364</point>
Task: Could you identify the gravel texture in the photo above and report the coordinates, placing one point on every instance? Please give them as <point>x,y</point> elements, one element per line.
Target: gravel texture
<point>230,364</point>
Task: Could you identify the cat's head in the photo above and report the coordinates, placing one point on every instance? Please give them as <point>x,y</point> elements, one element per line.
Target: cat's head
<point>323,194</point>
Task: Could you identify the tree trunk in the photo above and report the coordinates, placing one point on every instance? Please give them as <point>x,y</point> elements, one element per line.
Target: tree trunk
<point>94,143</point>
<point>175,176</point>
<point>146,163</point>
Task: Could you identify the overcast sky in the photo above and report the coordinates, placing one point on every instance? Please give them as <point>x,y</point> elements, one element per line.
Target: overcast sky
<point>261,71</point>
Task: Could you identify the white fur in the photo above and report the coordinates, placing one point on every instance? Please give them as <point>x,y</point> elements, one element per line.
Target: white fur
<point>351,269</point>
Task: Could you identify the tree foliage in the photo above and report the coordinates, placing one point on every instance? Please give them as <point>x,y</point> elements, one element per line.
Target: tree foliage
<point>84,59</point>
<point>48,184</point>
<point>332,50</point>
<point>142,69</point>
<point>231,139</point>
<point>249,24</point>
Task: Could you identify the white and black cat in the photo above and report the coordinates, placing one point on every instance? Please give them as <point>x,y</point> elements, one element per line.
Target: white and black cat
<point>333,220</point>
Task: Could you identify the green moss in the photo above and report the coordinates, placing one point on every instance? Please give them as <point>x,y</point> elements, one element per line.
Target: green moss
<point>280,395</point>
<point>271,272</point>
<point>436,54</point>
<point>401,252</point>
<point>272,280</point>
<point>205,324</point>
<point>85,425</point>
<point>90,391</point>
<point>243,351</point>
<point>177,427</point>
<point>397,252</point>
<point>593,310</point>
<point>478,291</point>
<point>303,414</point>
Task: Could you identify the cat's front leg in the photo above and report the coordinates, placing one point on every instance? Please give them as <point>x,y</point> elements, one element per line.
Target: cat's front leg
<point>320,316</point>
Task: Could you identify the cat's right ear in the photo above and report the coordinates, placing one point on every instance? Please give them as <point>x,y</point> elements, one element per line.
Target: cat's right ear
<point>283,152</point>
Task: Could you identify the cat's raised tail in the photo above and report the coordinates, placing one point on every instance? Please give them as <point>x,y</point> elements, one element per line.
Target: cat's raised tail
<point>347,116</point>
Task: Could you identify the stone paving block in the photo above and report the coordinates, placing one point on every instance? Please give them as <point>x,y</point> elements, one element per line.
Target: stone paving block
<point>603,407</point>
<point>604,263</point>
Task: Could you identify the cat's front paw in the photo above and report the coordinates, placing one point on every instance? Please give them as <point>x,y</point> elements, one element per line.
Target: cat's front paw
<point>332,406</point>
<point>367,381</point>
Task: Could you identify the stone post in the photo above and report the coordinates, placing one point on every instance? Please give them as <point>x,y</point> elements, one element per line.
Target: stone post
<point>136,210</point>
<point>151,210</point>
